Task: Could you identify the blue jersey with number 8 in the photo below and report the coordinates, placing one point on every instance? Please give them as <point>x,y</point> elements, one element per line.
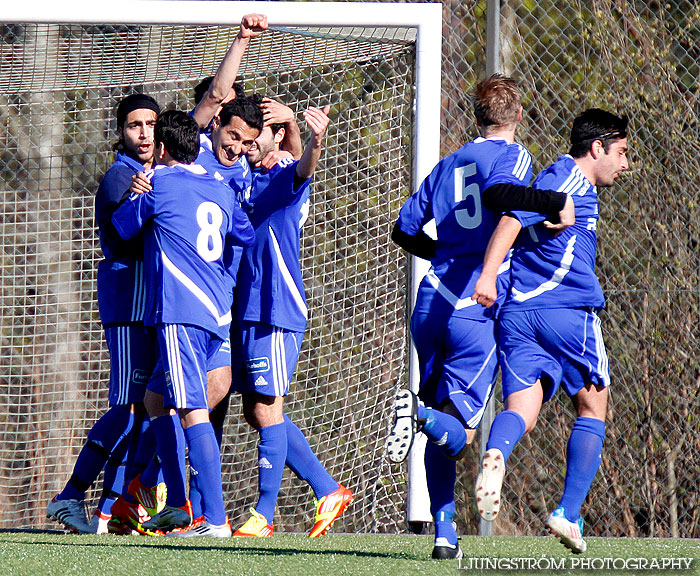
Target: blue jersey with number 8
<point>451,195</point>
<point>195,221</point>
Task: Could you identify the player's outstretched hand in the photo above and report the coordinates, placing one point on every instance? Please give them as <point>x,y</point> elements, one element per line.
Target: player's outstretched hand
<point>272,158</point>
<point>318,119</point>
<point>567,217</point>
<point>275,112</point>
<point>253,25</point>
<point>485,292</point>
<point>140,184</point>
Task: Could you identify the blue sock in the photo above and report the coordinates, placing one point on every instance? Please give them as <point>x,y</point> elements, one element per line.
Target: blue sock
<point>216,417</point>
<point>170,441</point>
<point>113,479</point>
<point>104,436</point>
<point>272,453</point>
<point>304,463</point>
<point>583,454</point>
<point>142,450</point>
<point>205,459</point>
<point>443,430</point>
<point>195,492</point>
<point>506,431</point>
<point>153,473</point>
<point>195,495</point>
<point>441,474</point>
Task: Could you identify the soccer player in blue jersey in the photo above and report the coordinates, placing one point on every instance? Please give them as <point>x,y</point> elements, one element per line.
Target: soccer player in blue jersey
<point>234,130</point>
<point>272,314</point>
<point>120,293</point>
<point>215,91</point>
<point>193,224</point>
<point>454,337</point>
<point>549,331</point>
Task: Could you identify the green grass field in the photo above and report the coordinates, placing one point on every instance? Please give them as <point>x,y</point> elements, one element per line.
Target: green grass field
<point>49,553</point>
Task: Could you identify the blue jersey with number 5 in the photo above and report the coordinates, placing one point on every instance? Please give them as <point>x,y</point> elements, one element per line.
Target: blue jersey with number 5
<point>193,222</point>
<point>451,196</point>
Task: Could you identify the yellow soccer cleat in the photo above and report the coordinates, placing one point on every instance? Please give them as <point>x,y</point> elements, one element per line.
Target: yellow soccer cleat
<point>152,499</point>
<point>255,527</point>
<point>329,508</point>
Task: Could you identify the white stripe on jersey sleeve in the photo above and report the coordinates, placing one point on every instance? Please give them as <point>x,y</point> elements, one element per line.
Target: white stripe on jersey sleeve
<point>576,182</point>
<point>286,274</point>
<point>523,163</point>
<point>196,291</point>
<point>557,277</point>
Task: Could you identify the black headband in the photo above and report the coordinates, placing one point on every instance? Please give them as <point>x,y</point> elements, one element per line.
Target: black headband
<point>619,134</point>
<point>135,102</point>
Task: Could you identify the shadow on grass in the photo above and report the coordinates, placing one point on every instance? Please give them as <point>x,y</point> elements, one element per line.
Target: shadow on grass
<point>116,541</point>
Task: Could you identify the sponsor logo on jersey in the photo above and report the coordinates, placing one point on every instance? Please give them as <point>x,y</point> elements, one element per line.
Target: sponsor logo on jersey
<point>264,463</point>
<point>258,364</point>
<point>140,376</point>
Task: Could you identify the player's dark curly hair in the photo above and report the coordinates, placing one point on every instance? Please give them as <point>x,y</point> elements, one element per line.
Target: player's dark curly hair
<point>201,89</point>
<point>244,108</point>
<point>258,99</point>
<point>497,101</point>
<point>595,124</point>
<point>179,134</point>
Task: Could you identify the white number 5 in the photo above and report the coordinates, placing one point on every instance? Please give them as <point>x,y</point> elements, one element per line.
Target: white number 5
<point>210,245</point>
<point>462,192</point>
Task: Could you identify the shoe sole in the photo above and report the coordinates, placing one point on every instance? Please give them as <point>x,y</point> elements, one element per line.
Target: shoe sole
<point>489,484</point>
<point>561,528</point>
<point>403,432</point>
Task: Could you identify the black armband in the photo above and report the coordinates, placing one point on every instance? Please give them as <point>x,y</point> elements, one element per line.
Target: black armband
<point>420,245</point>
<point>507,197</point>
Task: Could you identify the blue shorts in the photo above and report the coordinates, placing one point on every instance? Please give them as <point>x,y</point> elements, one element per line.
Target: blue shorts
<point>554,345</point>
<point>132,355</point>
<point>264,362</point>
<point>187,353</point>
<point>458,362</point>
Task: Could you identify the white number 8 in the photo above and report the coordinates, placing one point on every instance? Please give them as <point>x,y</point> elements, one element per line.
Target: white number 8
<point>464,218</point>
<point>210,245</point>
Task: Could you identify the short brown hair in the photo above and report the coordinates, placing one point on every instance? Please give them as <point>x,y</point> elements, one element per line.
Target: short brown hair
<point>497,101</point>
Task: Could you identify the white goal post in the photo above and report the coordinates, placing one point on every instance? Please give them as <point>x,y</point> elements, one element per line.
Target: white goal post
<point>332,20</point>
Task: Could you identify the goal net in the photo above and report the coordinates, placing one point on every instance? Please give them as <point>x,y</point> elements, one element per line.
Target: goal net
<point>59,84</point>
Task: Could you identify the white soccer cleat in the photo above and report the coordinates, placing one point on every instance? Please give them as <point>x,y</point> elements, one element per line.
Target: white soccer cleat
<point>489,484</point>
<point>405,426</point>
<point>203,529</point>
<point>70,513</point>
<point>570,534</point>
